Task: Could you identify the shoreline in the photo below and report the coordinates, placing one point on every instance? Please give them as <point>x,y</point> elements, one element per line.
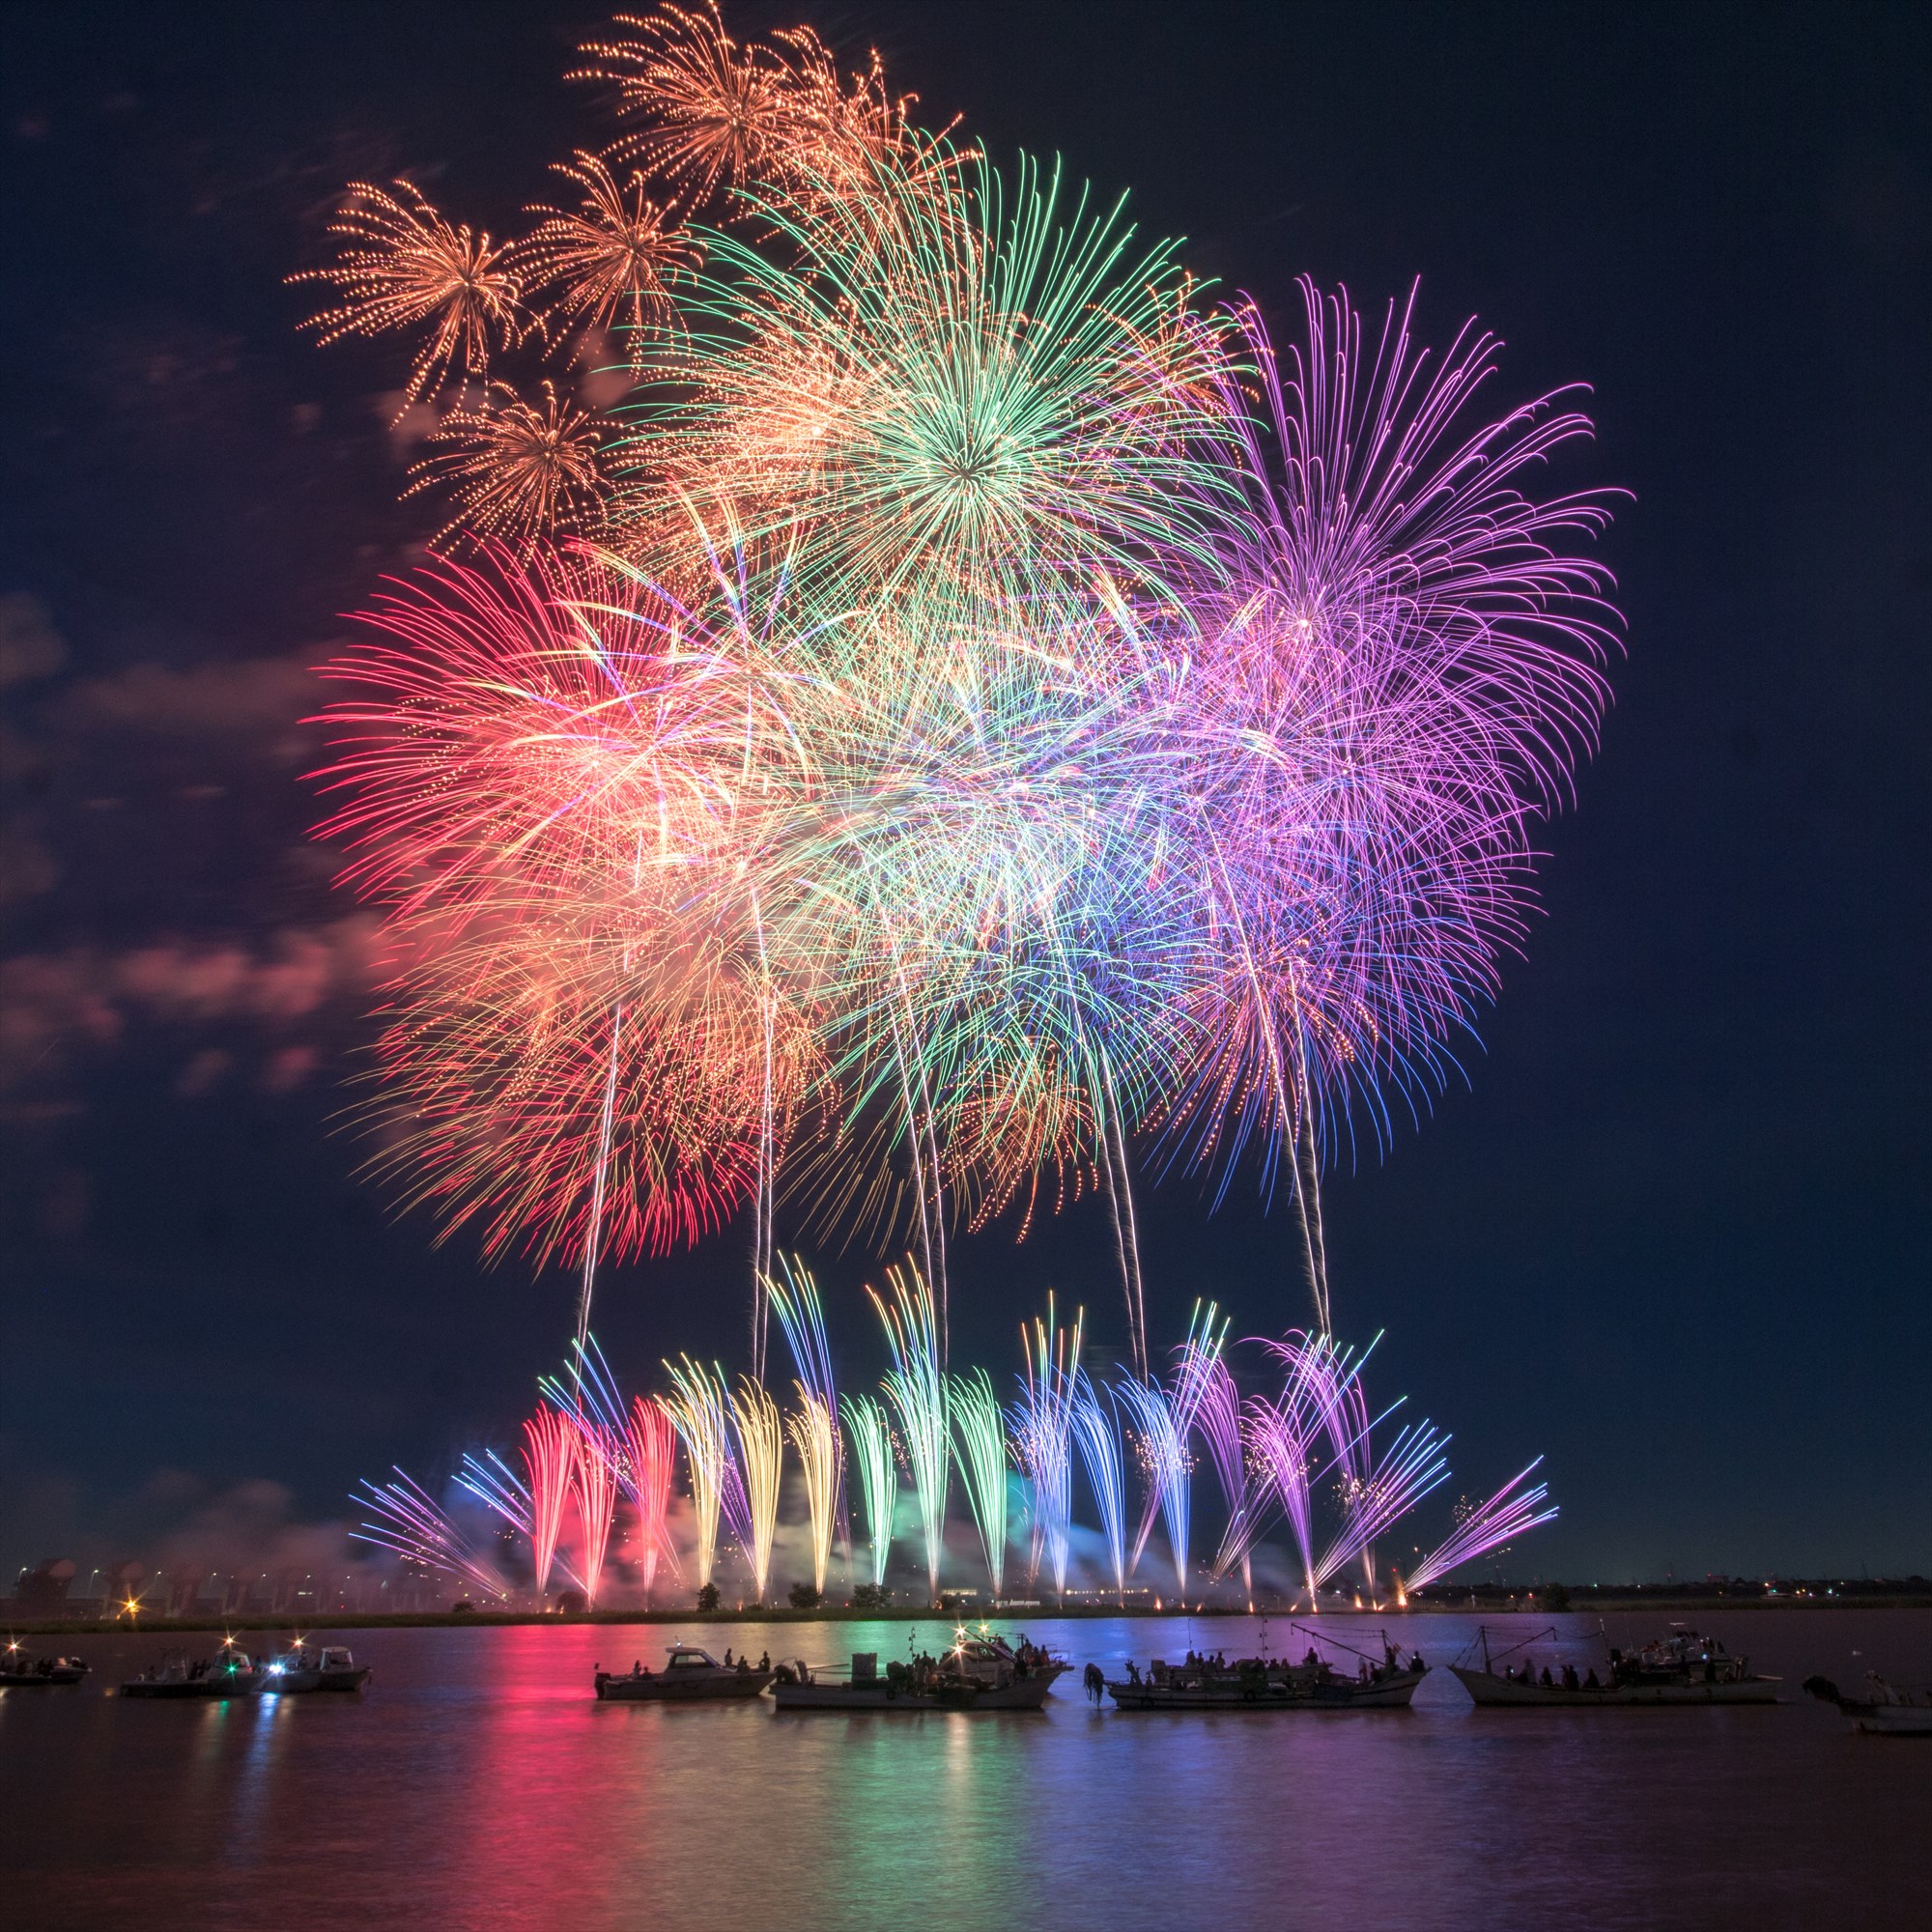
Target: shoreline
<point>1605,1603</point>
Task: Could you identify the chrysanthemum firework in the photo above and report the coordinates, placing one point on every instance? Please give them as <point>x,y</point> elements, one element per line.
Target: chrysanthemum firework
<point>1018,715</point>
<point>404,268</point>
<point>517,472</point>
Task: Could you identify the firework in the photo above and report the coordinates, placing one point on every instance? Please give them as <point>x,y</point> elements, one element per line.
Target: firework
<point>1043,1436</point>
<point>814,1427</point>
<point>649,1453</point>
<point>979,1450</point>
<point>1484,1526</point>
<point>402,267</point>
<point>759,1431</point>
<point>698,1410</point>
<point>871,1440</point>
<point>409,1522</point>
<point>1022,722</point>
<point>553,1453</point>
<point>517,472</point>
<point>1097,1432</point>
<point>916,1389</point>
<point>1217,1421</point>
<point>1162,1449</point>
<point>612,261</point>
<point>1388,1489</point>
<point>597,1482</point>
<point>709,108</point>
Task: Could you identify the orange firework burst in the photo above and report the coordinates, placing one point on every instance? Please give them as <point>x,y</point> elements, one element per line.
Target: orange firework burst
<point>711,107</point>
<point>518,471</point>
<point>609,262</point>
<point>404,267</point>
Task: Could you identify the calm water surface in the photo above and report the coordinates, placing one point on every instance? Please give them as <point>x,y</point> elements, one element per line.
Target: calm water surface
<point>477,1784</point>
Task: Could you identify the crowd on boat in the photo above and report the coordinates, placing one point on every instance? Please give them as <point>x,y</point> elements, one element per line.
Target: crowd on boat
<point>985,1671</point>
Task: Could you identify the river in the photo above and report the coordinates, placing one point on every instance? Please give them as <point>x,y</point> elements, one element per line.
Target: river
<point>477,1784</point>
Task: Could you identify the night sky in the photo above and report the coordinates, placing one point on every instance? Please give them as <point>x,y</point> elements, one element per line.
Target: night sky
<point>1671,1231</point>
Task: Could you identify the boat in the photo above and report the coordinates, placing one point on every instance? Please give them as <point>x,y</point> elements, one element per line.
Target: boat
<point>230,1672</point>
<point>1883,1712</point>
<point>1210,1683</point>
<point>690,1676</point>
<point>1679,1668</point>
<point>21,1670</point>
<point>303,1667</point>
<point>978,1673</point>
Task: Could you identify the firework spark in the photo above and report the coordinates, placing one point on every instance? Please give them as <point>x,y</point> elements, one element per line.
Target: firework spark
<point>517,472</point>
<point>402,267</point>
<point>871,1438</point>
<point>916,1389</point>
<point>612,263</point>
<point>979,1450</point>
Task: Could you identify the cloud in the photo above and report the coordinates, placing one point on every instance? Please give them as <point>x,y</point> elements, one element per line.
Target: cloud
<point>53,1005</point>
<point>30,648</point>
<point>264,698</point>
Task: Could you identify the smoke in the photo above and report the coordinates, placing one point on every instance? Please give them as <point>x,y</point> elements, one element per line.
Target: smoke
<point>57,1007</point>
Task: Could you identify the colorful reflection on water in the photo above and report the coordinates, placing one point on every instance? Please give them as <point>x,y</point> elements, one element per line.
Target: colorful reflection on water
<point>478,1784</point>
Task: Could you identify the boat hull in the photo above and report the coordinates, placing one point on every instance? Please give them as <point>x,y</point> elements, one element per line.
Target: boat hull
<point>1028,1693</point>
<point>1892,1720</point>
<point>1494,1694</point>
<point>204,1688</point>
<point>27,1680</point>
<point>682,1688</point>
<point>1392,1694</point>
<point>306,1682</point>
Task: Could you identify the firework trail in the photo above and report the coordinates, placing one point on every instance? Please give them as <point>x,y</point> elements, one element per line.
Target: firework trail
<point>596,1485</point>
<point>878,1475</point>
<point>1043,1436</point>
<point>552,1452</point>
<point>1217,1421</point>
<point>1164,1462</point>
<point>1486,1525</point>
<point>979,1450</point>
<point>759,1431</point>
<point>814,1427</point>
<point>916,1389</point>
<point>697,1410</point>
<point>1097,1432</point>
<point>410,1523</point>
<point>650,1452</point>
<point>1390,1488</point>
<point>1287,1438</point>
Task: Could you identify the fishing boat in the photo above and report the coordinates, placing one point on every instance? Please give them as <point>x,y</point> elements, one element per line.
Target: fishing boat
<point>230,1672</point>
<point>21,1670</point>
<point>978,1673</point>
<point>1210,1683</point>
<point>303,1667</point>
<point>1679,1668</point>
<point>1884,1711</point>
<point>690,1676</point>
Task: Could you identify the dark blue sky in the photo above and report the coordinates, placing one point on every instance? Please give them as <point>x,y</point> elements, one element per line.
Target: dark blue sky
<point>1672,1231</point>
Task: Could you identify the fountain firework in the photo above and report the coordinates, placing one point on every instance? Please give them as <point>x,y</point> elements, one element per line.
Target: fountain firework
<point>1484,1526</point>
<point>979,1449</point>
<point>1097,1431</point>
<point>1043,1436</point>
<point>916,1389</point>
<point>814,1427</point>
<point>410,1524</point>
<point>871,1437</point>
